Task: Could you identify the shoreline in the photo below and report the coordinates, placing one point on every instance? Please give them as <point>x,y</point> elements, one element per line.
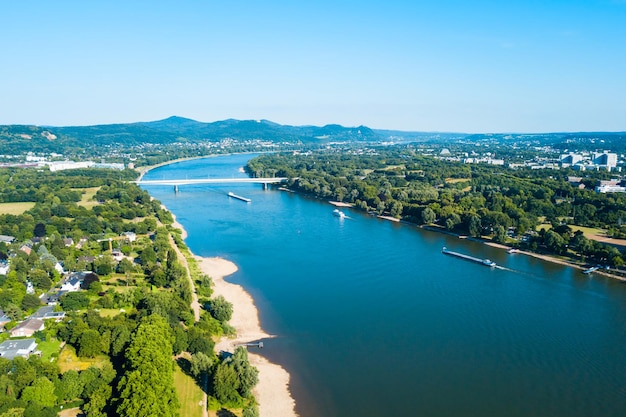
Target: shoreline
<point>272,392</point>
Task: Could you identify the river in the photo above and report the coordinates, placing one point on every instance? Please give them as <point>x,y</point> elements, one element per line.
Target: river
<point>373,320</point>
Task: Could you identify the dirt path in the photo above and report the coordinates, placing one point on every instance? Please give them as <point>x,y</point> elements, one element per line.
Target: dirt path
<point>195,305</point>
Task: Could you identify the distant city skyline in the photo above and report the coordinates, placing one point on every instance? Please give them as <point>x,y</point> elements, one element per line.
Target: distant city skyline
<point>448,66</point>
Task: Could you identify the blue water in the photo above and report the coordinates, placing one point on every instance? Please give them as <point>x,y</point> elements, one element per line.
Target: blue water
<point>373,320</point>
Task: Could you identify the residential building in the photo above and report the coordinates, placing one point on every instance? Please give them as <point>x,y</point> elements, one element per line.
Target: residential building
<point>27,328</point>
<point>4,319</point>
<point>47,312</point>
<point>7,239</point>
<point>11,349</point>
<point>72,284</point>
<point>4,268</point>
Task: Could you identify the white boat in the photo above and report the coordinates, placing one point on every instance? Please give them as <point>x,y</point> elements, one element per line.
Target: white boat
<point>339,213</point>
<point>489,262</point>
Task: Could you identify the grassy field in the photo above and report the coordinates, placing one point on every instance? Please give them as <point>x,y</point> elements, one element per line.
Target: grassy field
<point>457,180</point>
<point>87,198</point>
<point>48,348</point>
<point>110,312</point>
<point>588,232</point>
<point>189,394</point>
<point>15,208</point>
<point>68,360</point>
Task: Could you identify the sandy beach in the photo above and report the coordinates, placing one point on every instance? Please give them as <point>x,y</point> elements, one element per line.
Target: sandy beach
<point>272,391</point>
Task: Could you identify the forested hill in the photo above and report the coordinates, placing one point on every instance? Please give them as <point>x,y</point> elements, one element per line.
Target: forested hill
<point>16,139</point>
<point>19,138</point>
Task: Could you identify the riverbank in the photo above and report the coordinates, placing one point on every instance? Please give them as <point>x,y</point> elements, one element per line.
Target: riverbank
<point>272,391</point>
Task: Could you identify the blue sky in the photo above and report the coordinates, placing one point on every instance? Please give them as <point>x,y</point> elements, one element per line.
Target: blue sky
<point>465,66</point>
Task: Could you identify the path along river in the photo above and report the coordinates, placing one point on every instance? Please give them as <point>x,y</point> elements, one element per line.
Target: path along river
<point>373,320</point>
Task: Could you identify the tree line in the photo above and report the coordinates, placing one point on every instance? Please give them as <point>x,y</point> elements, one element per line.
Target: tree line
<point>477,200</point>
<point>147,294</point>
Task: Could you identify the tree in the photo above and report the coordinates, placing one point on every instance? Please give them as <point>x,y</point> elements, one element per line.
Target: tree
<point>226,384</point>
<point>148,256</point>
<point>221,309</point>
<point>147,387</point>
<point>41,392</point>
<point>40,279</point>
<point>251,411</point>
<point>499,234</point>
<point>74,301</point>
<point>554,242</point>
<point>248,375</point>
<point>428,216</point>
<point>40,230</point>
<point>30,302</point>
<point>475,227</point>
<point>89,344</point>
<point>200,363</point>
<point>103,265</point>
<point>98,401</point>
<point>69,386</point>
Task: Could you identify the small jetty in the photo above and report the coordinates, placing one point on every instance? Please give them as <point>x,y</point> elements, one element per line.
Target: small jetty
<point>590,270</point>
<point>238,197</point>
<point>255,344</point>
<point>485,262</point>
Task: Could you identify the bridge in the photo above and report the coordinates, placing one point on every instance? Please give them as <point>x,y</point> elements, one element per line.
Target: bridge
<point>176,183</point>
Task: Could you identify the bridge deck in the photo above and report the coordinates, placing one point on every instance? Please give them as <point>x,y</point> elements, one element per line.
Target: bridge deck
<point>212,181</point>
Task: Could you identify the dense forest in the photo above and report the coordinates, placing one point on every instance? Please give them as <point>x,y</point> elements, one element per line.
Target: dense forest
<point>494,202</point>
<point>130,329</point>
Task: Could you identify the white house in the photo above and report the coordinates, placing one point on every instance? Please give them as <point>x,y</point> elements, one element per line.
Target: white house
<point>71,284</point>
<point>130,236</point>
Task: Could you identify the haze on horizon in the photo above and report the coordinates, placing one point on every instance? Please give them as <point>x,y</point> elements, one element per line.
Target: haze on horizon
<point>482,66</point>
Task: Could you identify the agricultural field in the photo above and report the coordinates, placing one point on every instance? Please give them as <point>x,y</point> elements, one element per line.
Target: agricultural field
<point>87,200</point>
<point>15,208</point>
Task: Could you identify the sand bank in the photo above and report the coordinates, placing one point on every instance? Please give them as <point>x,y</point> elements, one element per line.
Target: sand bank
<point>272,391</point>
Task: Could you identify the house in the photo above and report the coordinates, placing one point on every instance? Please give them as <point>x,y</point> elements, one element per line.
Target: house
<point>53,299</point>
<point>130,236</point>
<point>47,312</point>
<point>59,268</point>
<point>4,268</point>
<point>72,283</point>
<point>27,328</point>
<point>81,242</point>
<point>7,239</point>
<point>117,254</point>
<point>10,349</point>
<point>26,249</point>
<point>68,241</point>
<point>4,319</point>
<point>30,289</point>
